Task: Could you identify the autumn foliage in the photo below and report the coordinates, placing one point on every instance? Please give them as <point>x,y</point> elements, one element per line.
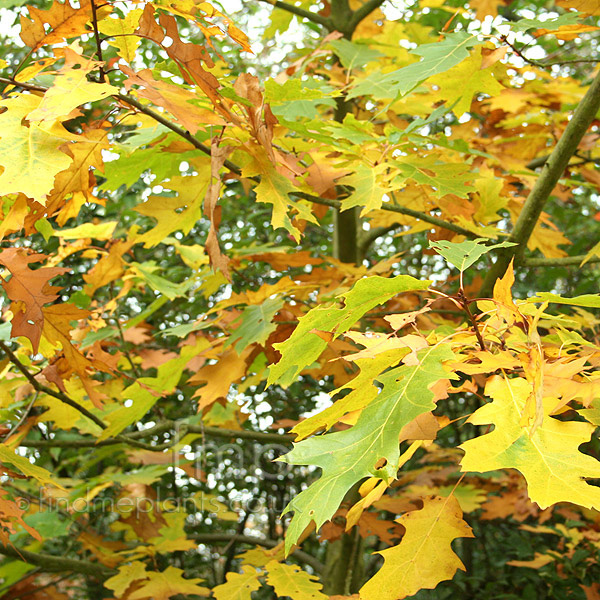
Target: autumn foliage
<point>308,320</point>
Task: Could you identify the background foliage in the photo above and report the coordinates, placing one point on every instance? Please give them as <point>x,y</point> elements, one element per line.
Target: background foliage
<point>364,243</point>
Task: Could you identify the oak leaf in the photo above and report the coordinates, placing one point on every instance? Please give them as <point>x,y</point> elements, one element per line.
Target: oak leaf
<point>290,580</point>
<point>424,557</point>
<point>63,20</point>
<point>239,586</point>
<point>168,583</point>
<point>30,154</point>
<point>71,88</point>
<point>29,291</point>
<point>550,460</point>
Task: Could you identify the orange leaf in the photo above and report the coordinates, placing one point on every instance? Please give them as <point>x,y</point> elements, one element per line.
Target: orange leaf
<point>29,291</point>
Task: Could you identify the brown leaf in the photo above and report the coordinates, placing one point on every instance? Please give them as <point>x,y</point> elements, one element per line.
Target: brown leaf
<point>218,155</point>
<point>64,21</point>
<point>29,291</point>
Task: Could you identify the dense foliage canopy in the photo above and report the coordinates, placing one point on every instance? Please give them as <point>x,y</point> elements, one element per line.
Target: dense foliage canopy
<point>299,299</point>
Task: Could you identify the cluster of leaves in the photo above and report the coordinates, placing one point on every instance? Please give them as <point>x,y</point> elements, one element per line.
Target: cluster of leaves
<point>338,312</point>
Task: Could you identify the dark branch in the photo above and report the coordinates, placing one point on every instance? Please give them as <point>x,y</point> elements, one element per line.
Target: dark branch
<point>46,390</point>
<point>39,387</point>
<point>565,261</point>
<point>181,429</point>
<point>97,39</point>
<point>552,171</point>
<point>363,12</point>
<point>180,131</point>
<point>58,564</point>
<point>300,12</point>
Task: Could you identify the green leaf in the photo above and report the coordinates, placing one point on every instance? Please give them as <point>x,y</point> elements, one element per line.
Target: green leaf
<point>274,189</point>
<point>8,456</point>
<point>303,347</point>
<point>437,58</point>
<point>296,99</point>
<point>48,524</point>
<point>444,178</point>
<point>353,55</point>
<point>564,19</point>
<point>587,300</point>
<point>348,456</point>
<point>463,254</point>
<point>255,324</point>
<point>130,166</point>
<point>147,272</point>
<point>145,392</point>
<point>367,193</point>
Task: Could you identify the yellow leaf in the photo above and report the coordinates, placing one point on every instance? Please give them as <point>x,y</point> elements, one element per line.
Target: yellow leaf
<point>483,8</point>
<point>23,465</point>
<point>566,32</point>
<point>162,586</point>
<point>178,213</point>
<point>462,82</point>
<point>549,459</point>
<point>290,580</point>
<point>507,309</point>
<point>239,586</point>
<point>586,7</point>
<point>127,574</point>
<point>100,231</point>
<point>71,89</point>
<point>538,561</point>
<point>29,154</point>
<point>119,32</point>
<point>424,557</point>
<point>489,186</point>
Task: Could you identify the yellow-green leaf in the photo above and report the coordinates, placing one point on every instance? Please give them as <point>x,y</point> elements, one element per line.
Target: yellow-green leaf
<point>550,460</point>
<point>30,155</point>
<point>424,557</point>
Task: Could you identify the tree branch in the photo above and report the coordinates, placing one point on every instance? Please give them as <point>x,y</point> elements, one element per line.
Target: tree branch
<point>181,428</point>
<point>364,11</point>
<point>397,209</point>
<point>186,135</point>
<point>300,12</point>
<point>58,564</point>
<point>49,391</point>
<point>551,172</point>
<point>565,261</point>
<point>39,387</point>
<point>213,538</point>
<point>97,39</point>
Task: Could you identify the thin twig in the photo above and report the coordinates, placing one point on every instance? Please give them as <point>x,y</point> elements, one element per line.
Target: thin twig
<point>465,304</point>
<point>98,40</point>
<point>20,422</point>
